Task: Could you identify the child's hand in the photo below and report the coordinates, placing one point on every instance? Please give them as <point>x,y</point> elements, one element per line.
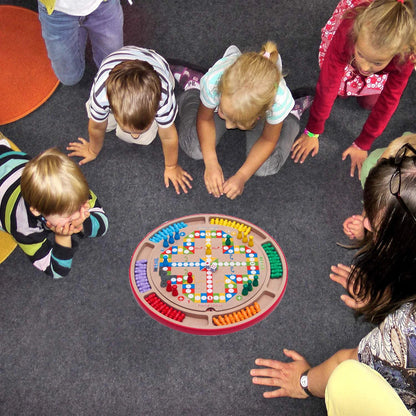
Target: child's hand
<point>214,179</point>
<point>234,186</point>
<point>354,227</point>
<point>284,376</point>
<point>82,149</point>
<point>178,177</point>
<point>303,146</point>
<point>340,275</point>
<point>357,159</point>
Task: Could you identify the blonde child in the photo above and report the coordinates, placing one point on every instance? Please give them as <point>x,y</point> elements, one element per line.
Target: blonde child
<point>354,226</point>
<point>244,91</point>
<point>43,196</point>
<point>368,52</point>
<point>133,93</point>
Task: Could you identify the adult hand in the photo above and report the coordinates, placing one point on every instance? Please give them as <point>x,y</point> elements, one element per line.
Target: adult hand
<point>357,156</point>
<point>303,146</point>
<point>179,178</point>
<point>214,179</point>
<point>284,376</point>
<point>81,149</point>
<point>340,274</point>
<point>234,186</point>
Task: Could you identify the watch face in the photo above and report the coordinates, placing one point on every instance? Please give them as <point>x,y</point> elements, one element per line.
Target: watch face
<point>304,381</point>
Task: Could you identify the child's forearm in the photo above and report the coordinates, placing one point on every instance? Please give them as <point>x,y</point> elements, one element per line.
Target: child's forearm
<point>170,145</point>
<point>96,133</point>
<point>207,138</point>
<point>259,153</point>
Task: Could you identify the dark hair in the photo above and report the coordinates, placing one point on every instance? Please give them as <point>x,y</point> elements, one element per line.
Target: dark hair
<point>134,92</point>
<point>384,270</point>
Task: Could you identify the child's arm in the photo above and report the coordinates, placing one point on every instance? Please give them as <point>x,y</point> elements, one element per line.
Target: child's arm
<point>259,153</point>
<point>96,225</point>
<point>205,124</point>
<point>286,376</point>
<point>173,172</point>
<point>89,150</point>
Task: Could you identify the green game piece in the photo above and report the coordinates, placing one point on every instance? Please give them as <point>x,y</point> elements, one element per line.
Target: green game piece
<point>228,241</point>
<point>244,292</point>
<point>256,281</point>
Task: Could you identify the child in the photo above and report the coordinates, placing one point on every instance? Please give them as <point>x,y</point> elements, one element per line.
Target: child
<point>65,27</point>
<point>370,55</point>
<point>48,194</point>
<point>244,91</point>
<point>133,93</point>
<point>353,226</point>
<point>382,287</point>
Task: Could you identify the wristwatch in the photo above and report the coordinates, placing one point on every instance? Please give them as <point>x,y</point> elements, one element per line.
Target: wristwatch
<point>304,382</point>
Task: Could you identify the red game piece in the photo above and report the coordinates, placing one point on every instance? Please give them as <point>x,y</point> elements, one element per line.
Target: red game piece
<point>190,278</point>
<point>168,286</point>
<point>174,290</point>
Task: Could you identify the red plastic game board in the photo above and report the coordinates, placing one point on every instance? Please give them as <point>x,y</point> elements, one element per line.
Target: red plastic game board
<point>208,274</point>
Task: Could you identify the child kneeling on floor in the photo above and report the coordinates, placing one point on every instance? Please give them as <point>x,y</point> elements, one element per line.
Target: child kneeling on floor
<point>45,195</point>
<point>240,91</point>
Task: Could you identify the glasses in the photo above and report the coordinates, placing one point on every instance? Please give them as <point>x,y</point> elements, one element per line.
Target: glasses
<point>396,178</point>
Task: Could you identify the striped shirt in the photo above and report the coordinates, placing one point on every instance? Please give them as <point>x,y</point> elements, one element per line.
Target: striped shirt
<point>210,97</point>
<point>99,105</point>
<point>29,231</point>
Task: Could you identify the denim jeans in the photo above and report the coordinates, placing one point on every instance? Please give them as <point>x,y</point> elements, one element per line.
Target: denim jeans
<point>66,37</point>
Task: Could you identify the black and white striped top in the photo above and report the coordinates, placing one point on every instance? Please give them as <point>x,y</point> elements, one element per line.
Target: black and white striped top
<point>99,105</point>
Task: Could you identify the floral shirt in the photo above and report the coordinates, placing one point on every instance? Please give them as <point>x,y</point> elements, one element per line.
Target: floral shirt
<point>390,349</point>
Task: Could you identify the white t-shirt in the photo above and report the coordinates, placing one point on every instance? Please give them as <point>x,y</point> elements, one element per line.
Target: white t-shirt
<point>77,7</point>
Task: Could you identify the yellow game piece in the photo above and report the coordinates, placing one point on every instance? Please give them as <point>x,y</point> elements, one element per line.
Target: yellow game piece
<point>248,230</point>
<point>244,229</point>
<point>212,221</point>
<point>217,220</point>
<point>239,235</point>
<point>221,221</point>
<point>233,224</point>
<point>240,228</point>
<point>245,239</point>
<point>250,241</point>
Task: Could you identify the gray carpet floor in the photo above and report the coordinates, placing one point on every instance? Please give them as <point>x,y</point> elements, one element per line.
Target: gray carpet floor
<point>82,345</point>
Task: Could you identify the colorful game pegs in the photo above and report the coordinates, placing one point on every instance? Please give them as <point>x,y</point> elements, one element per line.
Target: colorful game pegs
<point>250,241</point>
<point>174,290</point>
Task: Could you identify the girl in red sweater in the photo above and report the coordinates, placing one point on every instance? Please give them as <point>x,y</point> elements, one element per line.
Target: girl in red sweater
<point>368,51</point>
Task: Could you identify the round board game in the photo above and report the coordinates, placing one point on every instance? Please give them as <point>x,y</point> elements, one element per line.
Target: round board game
<point>208,274</point>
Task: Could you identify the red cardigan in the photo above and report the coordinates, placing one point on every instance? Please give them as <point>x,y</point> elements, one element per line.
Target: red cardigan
<point>339,54</point>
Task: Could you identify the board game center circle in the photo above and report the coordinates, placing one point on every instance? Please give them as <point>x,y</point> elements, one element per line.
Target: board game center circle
<point>208,274</point>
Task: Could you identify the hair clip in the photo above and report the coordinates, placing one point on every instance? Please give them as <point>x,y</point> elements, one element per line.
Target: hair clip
<point>266,55</point>
<point>401,1</point>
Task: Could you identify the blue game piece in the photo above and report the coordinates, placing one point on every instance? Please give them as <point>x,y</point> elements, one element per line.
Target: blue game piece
<point>177,235</point>
<point>165,243</point>
<point>171,239</point>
